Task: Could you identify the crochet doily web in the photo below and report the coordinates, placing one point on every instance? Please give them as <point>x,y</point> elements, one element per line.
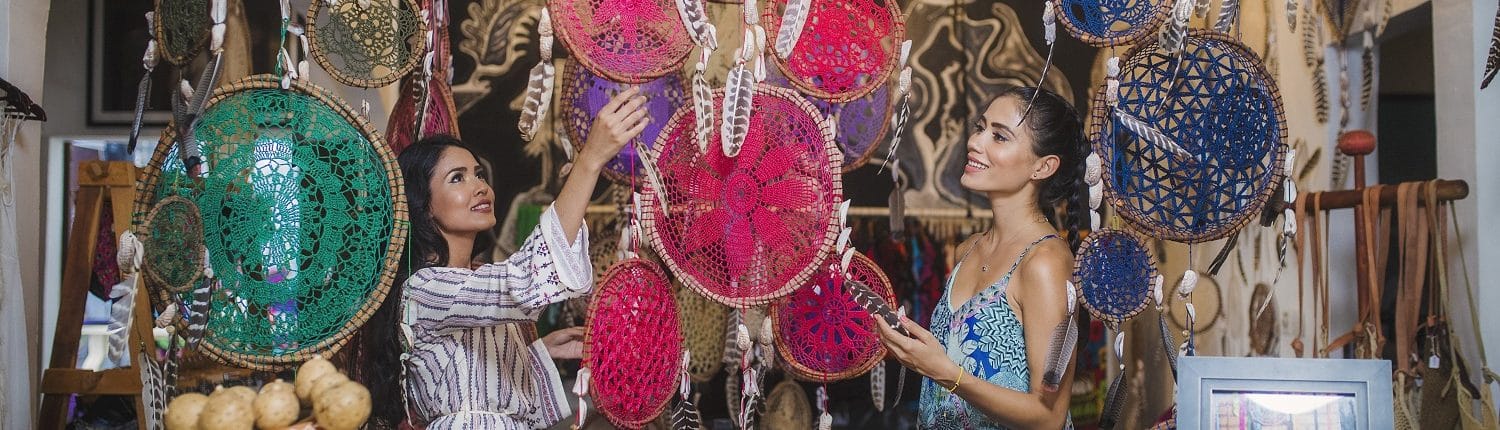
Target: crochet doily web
<point>630,41</point>
<point>1114,271</point>
<point>633,349</point>
<point>822,333</point>
<point>846,49</point>
<point>182,28</point>
<point>703,326</point>
<point>748,229</point>
<point>173,244</point>
<point>299,219</point>
<point>585,93</point>
<point>1113,22</point>
<point>861,123</point>
<point>365,46</point>
<point>1222,110</point>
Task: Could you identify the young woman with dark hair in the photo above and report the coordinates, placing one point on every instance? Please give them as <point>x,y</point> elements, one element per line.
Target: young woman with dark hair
<point>987,351</point>
<point>451,345</point>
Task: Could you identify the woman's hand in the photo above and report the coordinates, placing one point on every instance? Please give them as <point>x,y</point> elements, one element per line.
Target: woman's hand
<point>922,352</point>
<point>565,344</point>
<point>619,121</point>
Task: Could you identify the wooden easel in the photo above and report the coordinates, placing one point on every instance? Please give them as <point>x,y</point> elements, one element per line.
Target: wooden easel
<point>101,184</point>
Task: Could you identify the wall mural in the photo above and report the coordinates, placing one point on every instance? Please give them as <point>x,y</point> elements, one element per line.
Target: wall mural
<point>961,51</point>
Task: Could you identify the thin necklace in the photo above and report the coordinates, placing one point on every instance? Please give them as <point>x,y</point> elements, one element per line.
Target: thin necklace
<point>985,267</point>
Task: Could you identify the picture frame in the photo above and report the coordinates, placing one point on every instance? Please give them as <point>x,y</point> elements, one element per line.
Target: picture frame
<point>117,40</point>
<point>1283,393</point>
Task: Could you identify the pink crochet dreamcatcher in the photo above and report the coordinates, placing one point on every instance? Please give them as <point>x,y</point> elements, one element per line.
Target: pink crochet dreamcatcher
<point>822,332</point>
<point>837,50</point>
<point>747,229</point>
<point>633,348</point>
<point>631,41</point>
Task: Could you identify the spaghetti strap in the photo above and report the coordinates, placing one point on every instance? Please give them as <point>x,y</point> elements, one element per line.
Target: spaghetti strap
<point>1026,251</point>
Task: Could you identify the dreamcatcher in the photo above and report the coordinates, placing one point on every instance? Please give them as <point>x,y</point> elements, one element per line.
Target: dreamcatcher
<point>425,107</point>
<point>584,93</point>
<point>703,325</point>
<point>366,44</point>
<point>172,238</point>
<point>633,348</point>
<point>822,333</point>
<point>860,124</point>
<point>303,221</point>
<point>1112,22</point>
<point>1116,274</point>
<point>787,407</point>
<point>747,229</point>
<point>837,50</point>
<point>180,28</point>
<point>631,41</point>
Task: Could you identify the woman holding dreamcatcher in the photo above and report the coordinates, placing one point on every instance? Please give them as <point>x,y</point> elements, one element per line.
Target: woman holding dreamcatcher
<point>991,360</point>
<point>465,329</point>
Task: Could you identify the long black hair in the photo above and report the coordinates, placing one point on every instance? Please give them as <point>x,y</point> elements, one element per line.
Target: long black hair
<point>1056,129</point>
<point>375,354</point>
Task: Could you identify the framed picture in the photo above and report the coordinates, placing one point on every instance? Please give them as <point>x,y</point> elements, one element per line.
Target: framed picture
<point>117,40</point>
<point>1229,393</point>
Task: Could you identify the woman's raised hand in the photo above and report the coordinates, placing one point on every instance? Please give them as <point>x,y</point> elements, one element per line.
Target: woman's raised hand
<point>619,121</point>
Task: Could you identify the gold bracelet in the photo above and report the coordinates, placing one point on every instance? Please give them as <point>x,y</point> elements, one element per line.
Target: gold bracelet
<point>957,381</point>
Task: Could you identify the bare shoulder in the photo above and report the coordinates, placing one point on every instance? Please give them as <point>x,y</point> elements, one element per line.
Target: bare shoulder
<point>1043,274</point>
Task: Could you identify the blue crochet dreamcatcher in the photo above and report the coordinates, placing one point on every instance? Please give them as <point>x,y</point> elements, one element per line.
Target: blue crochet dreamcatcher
<point>1117,277</point>
<point>1112,22</point>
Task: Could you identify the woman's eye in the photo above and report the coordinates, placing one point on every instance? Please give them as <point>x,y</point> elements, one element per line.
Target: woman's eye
<point>978,126</point>
<point>455,179</point>
<point>1000,137</point>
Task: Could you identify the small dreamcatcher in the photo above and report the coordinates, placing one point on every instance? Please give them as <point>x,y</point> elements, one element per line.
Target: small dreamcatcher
<point>1112,22</point>
<point>703,324</point>
<point>631,41</point>
<point>1116,273</point>
<point>633,348</point>
<point>364,43</point>
<point>836,50</point>
<point>744,230</point>
<point>181,28</point>
<point>822,333</point>
<point>172,237</point>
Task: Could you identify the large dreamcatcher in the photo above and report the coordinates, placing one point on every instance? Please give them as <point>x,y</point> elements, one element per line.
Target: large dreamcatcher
<point>630,41</point>
<point>747,229</point>
<point>633,347</point>
<point>837,50</point>
<point>302,223</point>
<point>584,93</point>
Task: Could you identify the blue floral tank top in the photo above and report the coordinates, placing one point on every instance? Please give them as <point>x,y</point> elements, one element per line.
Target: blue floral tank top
<point>984,337</point>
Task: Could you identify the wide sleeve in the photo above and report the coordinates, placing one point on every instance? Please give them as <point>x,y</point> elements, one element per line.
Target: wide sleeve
<point>547,269</point>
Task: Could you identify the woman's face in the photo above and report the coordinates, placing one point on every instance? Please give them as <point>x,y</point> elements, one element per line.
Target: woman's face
<point>1000,155</point>
<point>462,202</point>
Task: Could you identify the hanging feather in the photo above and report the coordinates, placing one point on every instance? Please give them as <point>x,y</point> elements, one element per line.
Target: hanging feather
<point>1311,163</point>
<point>703,105</point>
<point>1291,15</point>
<point>696,22</point>
<point>897,203</point>
<point>1229,12</point>
<point>685,416</point>
<point>1492,65</point>
<point>1213,268</point>
<point>1312,47</point>
<point>875,305</point>
<point>877,386</point>
<point>1168,345</point>
<point>120,316</point>
<point>1173,35</point>
<point>198,312</point>
<point>1367,73</point>
<point>739,91</point>
<point>1201,9</point>
<point>1320,94</point>
<point>1060,353</point>
<point>1149,133</point>
<point>791,26</point>
<point>903,110</point>
<point>538,83</point>
<point>1114,402</point>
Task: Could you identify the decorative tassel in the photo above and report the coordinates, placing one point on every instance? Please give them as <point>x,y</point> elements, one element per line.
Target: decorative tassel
<point>877,386</point>
<point>539,83</point>
<point>874,305</point>
<point>792,21</point>
<point>739,91</point>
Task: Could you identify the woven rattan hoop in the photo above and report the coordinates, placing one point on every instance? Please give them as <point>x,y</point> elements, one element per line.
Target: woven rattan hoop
<point>1149,187</point>
<point>151,181</point>
<point>397,61</point>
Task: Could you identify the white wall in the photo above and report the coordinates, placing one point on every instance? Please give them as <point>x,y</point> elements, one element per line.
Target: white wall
<point>23,25</point>
<point>1467,148</point>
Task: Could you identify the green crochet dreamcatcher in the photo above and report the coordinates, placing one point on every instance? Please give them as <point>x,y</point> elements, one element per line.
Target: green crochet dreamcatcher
<point>302,219</point>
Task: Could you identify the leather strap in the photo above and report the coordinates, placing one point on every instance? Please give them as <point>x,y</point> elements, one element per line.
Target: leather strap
<point>1298,246</point>
<point>1412,247</point>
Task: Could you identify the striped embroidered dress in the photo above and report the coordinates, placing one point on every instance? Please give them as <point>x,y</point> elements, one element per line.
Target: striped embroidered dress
<point>469,365</point>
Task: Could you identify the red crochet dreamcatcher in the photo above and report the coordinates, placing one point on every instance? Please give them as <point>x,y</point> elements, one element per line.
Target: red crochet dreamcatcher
<point>747,229</point>
<point>844,49</point>
<point>632,349</point>
<point>822,332</point>
<point>631,41</point>
<point>425,96</point>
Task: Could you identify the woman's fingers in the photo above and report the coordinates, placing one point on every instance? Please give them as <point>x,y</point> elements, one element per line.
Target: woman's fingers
<point>618,103</point>
<point>636,130</point>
